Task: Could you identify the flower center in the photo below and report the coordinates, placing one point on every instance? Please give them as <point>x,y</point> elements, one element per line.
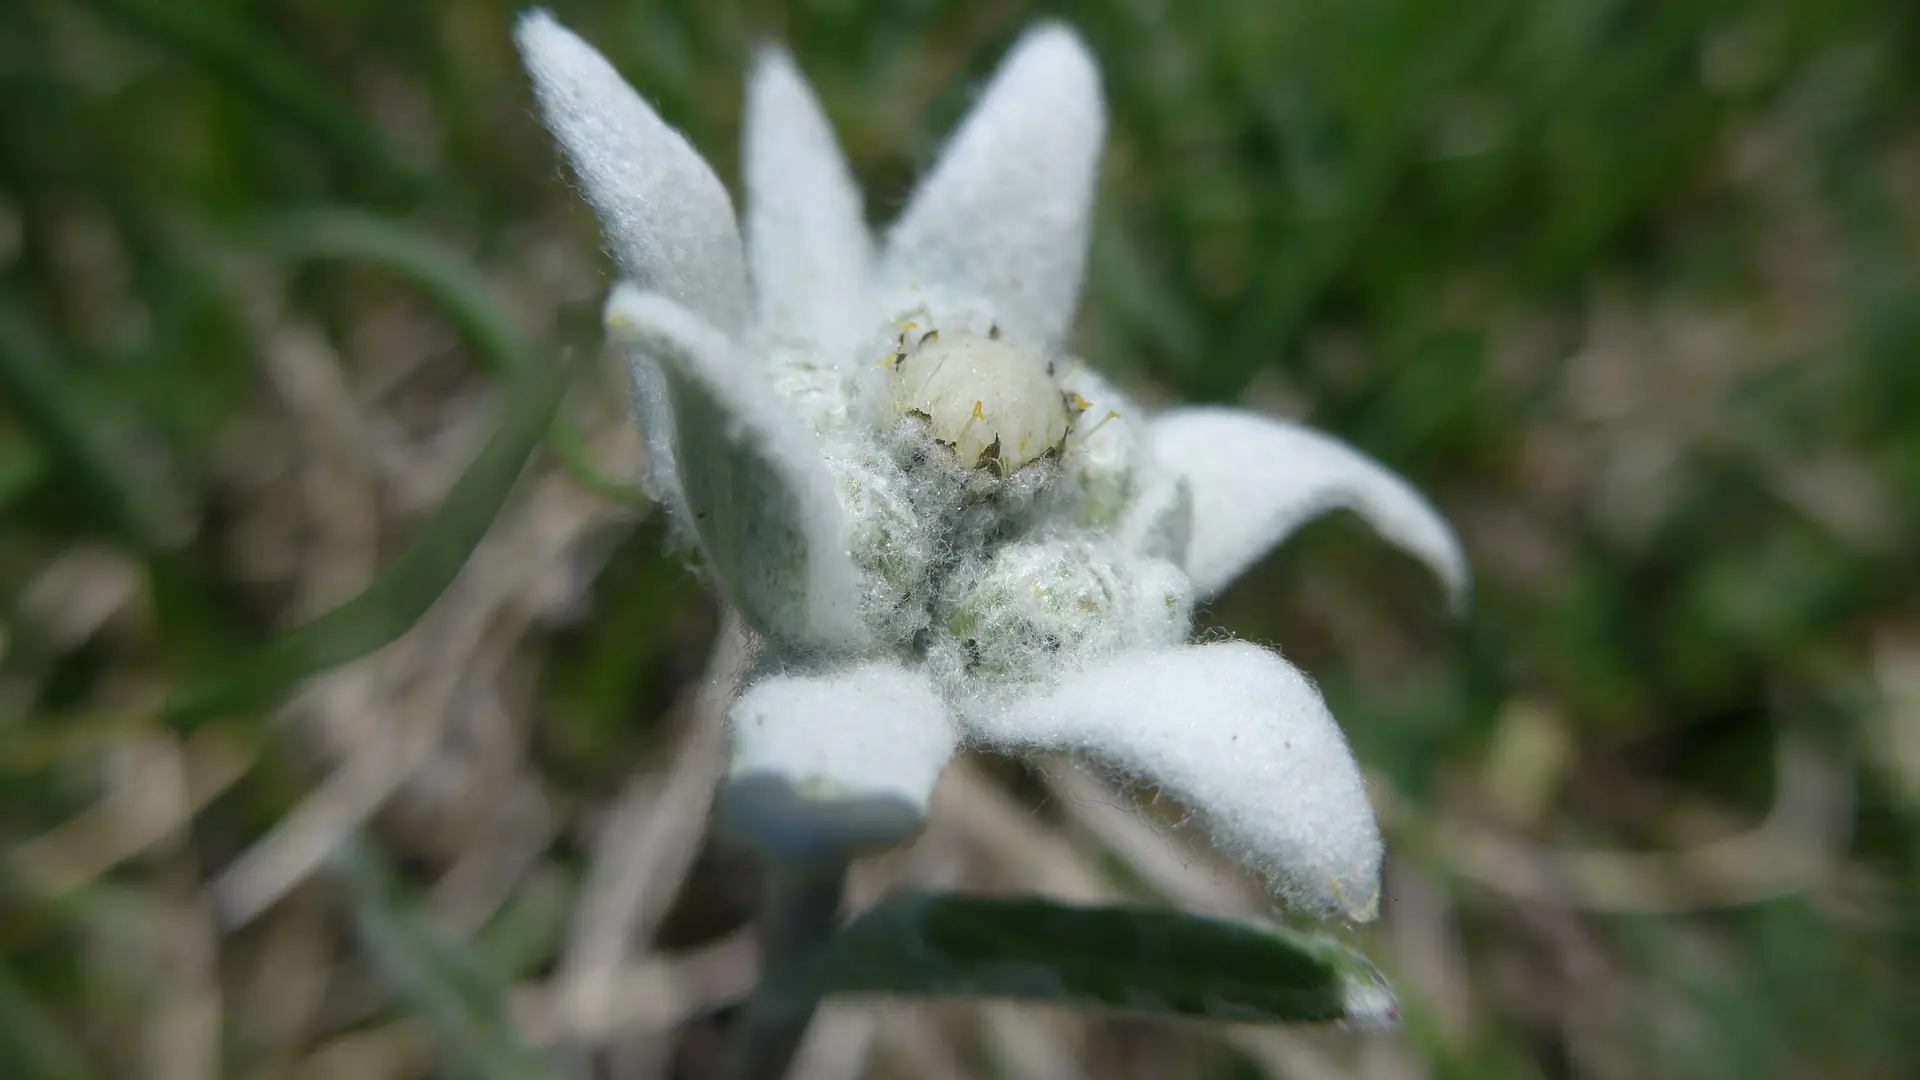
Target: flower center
<point>994,404</point>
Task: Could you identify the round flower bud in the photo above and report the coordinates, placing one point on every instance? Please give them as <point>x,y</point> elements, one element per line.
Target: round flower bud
<point>993,403</point>
<point>1037,605</point>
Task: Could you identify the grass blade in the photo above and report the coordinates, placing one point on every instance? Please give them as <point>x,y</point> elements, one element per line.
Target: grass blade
<point>466,300</point>
<point>48,404</point>
<point>270,74</point>
<point>397,599</point>
<point>443,982</point>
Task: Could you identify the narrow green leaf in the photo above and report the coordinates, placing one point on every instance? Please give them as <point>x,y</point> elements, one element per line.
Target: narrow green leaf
<point>441,980</point>
<point>1132,959</point>
<point>397,599</point>
<point>431,267</point>
<point>576,457</point>
<point>37,388</point>
<point>269,74</point>
<point>465,299</point>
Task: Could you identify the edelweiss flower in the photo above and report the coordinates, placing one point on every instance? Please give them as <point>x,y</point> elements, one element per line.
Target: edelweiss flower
<point>948,530</point>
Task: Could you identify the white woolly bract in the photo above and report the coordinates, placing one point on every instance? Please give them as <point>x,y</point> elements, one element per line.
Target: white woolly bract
<point>665,215</point>
<point>762,501</point>
<point>874,730</point>
<point>1002,220</point>
<point>1238,734</point>
<point>1256,480</point>
<point>807,239</point>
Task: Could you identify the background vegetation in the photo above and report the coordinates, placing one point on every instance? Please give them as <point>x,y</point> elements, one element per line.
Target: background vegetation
<point>1631,287</point>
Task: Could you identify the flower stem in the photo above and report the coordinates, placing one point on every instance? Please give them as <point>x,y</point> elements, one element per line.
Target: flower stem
<point>801,902</point>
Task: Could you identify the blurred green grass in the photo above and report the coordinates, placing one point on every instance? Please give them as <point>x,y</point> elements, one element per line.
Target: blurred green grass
<point>1632,288</point>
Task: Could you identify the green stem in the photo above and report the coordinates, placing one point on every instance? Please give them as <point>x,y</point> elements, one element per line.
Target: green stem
<point>802,901</point>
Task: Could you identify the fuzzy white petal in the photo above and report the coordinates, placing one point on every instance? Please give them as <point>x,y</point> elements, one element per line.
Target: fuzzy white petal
<point>761,498</point>
<point>1238,734</point>
<point>807,241</point>
<point>874,731</point>
<point>666,217</point>
<point>1002,222</point>
<point>1256,480</point>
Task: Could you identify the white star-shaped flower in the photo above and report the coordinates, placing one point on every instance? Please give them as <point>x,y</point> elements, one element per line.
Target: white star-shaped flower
<point>948,530</point>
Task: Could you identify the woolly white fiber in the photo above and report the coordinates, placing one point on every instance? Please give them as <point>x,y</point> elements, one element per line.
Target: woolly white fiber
<point>1037,607</point>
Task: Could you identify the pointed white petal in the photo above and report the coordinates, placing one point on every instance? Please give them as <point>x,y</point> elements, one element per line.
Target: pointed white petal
<point>807,241</point>
<point>875,731</point>
<point>1238,734</point>
<point>666,216</point>
<point>1002,222</point>
<point>1256,480</point>
<point>753,480</point>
